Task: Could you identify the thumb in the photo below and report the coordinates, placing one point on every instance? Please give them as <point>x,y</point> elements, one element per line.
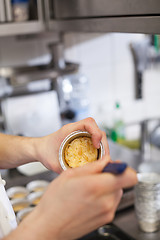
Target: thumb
<point>93,167</point>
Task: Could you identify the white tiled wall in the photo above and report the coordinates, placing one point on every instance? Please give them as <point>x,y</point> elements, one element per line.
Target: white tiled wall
<point>106,60</point>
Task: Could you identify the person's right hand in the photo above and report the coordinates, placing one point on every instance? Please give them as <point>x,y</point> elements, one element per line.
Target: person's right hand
<point>77,202</point>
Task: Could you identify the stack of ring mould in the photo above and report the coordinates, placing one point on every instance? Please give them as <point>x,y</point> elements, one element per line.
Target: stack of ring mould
<point>34,198</point>
<point>77,150</point>
<point>23,213</point>
<point>37,186</point>
<point>17,192</point>
<point>19,204</point>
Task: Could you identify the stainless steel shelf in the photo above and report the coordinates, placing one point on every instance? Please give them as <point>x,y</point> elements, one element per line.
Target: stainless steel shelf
<point>128,24</point>
<point>30,27</point>
<point>99,8</point>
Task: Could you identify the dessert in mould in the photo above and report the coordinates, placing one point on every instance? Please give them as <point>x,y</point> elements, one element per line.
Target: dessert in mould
<point>80,151</point>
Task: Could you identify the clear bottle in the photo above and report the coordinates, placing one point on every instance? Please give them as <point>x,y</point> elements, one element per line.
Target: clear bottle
<point>73,97</point>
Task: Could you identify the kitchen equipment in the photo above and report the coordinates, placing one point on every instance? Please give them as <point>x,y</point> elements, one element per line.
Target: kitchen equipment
<point>9,16</point>
<point>106,16</point>
<point>34,198</point>
<point>37,186</point>
<point>23,213</point>
<point>110,232</point>
<point>147,201</point>
<point>19,204</point>
<point>2,11</point>
<point>7,216</point>
<point>17,192</point>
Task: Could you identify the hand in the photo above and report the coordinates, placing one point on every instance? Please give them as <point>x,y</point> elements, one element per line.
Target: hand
<point>77,202</point>
<point>47,147</point>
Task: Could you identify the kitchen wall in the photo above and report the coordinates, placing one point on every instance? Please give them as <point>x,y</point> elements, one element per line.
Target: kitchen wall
<point>107,62</point>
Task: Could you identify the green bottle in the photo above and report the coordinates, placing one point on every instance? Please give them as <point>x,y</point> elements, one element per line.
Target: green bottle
<point>118,132</point>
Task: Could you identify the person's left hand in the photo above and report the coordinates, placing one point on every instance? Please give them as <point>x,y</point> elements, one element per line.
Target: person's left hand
<point>47,148</point>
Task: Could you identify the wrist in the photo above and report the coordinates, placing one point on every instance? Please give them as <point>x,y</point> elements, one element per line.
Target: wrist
<point>36,227</point>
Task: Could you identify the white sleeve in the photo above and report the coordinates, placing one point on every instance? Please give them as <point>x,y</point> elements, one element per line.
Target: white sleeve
<point>7,216</point>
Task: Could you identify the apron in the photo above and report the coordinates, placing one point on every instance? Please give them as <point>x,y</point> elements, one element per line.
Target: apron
<point>7,216</point>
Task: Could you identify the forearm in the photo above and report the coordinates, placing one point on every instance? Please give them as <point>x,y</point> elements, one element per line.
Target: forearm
<point>32,228</point>
<point>16,150</point>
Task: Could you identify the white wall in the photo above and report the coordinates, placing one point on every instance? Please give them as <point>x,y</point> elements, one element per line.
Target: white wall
<point>107,61</point>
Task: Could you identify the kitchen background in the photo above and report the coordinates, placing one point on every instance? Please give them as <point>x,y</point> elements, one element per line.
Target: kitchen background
<point>117,82</point>
<point>107,62</point>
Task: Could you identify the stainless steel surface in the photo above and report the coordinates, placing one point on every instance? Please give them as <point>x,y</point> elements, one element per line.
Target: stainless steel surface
<point>28,27</point>
<point>138,24</point>
<point>9,16</point>
<point>20,76</point>
<point>47,10</point>
<point>101,8</point>
<point>68,140</point>
<point>40,10</point>
<point>2,11</point>
<point>145,143</point>
<point>127,221</point>
<point>57,53</point>
<point>146,137</point>
<point>130,16</point>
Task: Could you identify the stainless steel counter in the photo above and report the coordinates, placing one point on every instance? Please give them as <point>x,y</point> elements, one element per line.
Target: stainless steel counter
<point>118,152</point>
<point>126,220</point>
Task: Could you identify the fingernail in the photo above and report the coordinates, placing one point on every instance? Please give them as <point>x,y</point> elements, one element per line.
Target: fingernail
<point>98,145</point>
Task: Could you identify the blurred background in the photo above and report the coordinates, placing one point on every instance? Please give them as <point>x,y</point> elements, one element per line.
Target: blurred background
<point>62,61</point>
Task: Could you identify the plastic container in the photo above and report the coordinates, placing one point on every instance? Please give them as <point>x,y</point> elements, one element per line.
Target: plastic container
<point>20,9</point>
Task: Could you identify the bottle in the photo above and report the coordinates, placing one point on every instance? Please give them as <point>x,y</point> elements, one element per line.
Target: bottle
<point>118,131</point>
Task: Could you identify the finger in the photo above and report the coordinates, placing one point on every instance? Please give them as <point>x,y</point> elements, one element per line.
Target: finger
<point>108,182</point>
<point>106,206</point>
<point>118,161</point>
<point>90,126</point>
<point>90,168</point>
<point>112,200</point>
